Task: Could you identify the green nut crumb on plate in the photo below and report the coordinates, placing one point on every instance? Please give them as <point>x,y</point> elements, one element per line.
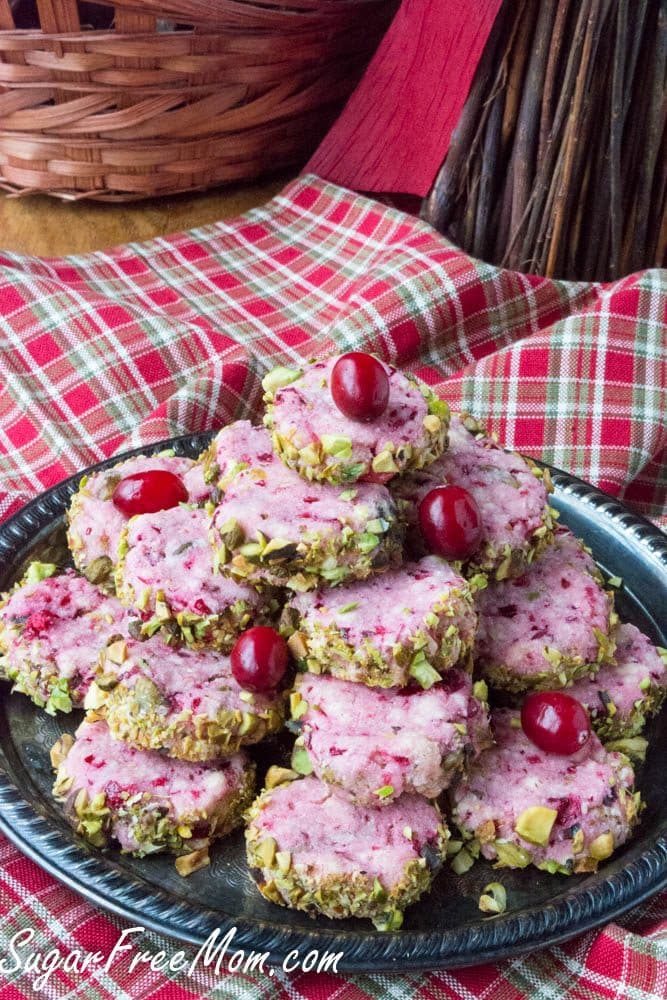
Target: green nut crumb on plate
<point>313,437</point>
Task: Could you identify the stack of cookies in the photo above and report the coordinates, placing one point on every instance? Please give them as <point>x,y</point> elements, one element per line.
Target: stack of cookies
<point>415,572</point>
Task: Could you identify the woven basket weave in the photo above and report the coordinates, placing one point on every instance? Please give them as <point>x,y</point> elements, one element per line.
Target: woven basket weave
<point>172,96</point>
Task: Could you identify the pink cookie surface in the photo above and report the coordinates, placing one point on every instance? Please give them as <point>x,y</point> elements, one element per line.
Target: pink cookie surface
<point>327,530</point>
<point>99,764</point>
<point>170,551</point>
<point>375,744</point>
<point>184,701</point>
<point>639,669</point>
<point>303,414</point>
<point>372,631</point>
<point>511,499</point>
<point>95,523</point>
<point>328,835</point>
<point>237,446</point>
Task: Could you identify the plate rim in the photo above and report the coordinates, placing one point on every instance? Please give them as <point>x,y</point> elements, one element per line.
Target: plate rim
<point>87,874</point>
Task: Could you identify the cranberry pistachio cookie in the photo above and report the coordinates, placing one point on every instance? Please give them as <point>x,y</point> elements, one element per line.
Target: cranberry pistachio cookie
<point>165,574</point>
<point>144,801</point>
<point>409,625</point>
<point>105,500</point>
<point>183,701</point>
<point>620,696</point>
<point>237,446</point>
<point>350,418</point>
<point>511,494</point>
<point>272,528</point>
<point>374,745</point>
<point>520,805</point>
<point>551,625</point>
<point>52,629</point>
<point>312,850</point>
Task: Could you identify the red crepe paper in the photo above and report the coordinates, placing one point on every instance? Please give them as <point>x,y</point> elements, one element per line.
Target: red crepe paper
<point>395,130</point>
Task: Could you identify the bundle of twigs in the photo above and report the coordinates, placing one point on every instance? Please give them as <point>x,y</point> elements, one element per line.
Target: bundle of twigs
<point>559,162</point>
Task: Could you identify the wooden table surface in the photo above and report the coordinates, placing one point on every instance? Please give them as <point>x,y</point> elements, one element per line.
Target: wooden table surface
<point>47,227</point>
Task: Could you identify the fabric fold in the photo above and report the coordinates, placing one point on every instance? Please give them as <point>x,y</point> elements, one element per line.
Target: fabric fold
<point>129,346</point>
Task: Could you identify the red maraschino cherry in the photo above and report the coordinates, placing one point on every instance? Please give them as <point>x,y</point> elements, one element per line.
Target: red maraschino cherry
<point>147,492</point>
<point>259,659</point>
<point>360,386</point>
<point>450,522</point>
<point>555,722</point>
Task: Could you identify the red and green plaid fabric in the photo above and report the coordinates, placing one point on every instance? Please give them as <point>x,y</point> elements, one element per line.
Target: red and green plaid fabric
<point>111,350</point>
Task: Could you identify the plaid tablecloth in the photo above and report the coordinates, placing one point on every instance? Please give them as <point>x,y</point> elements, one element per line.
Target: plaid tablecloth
<point>114,349</point>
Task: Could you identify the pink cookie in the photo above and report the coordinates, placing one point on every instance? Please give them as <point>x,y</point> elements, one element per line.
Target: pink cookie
<point>145,801</point>
<point>312,436</point>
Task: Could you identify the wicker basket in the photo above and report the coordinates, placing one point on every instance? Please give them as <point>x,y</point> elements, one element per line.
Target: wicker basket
<point>160,97</point>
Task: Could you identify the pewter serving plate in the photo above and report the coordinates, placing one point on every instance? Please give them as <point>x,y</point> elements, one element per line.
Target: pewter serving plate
<point>446,928</point>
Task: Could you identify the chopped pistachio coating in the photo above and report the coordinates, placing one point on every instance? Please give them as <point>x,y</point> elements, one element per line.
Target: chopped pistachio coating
<point>407,626</point>
<point>302,415</point>
<point>145,802</point>
<point>493,899</point>
<point>311,850</point>
<point>185,702</point>
<point>621,696</point>
<point>238,446</point>
<point>376,744</point>
<point>518,805</point>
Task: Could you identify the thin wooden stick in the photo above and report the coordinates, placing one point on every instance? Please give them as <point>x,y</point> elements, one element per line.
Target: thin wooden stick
<point>560,202</point>
<point>488,175</point>
<point>639,13</point>
<point>660,257</point>
<point>555,51</point>
<point>535,233</point>
<point>659,197</point>
<point>439,203</point>
<point>527,125</point>
<point>469,215</point>
<point>516,59</point>
<point>596,109</point>
<point>656,119</point>
<point>615,138</point>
